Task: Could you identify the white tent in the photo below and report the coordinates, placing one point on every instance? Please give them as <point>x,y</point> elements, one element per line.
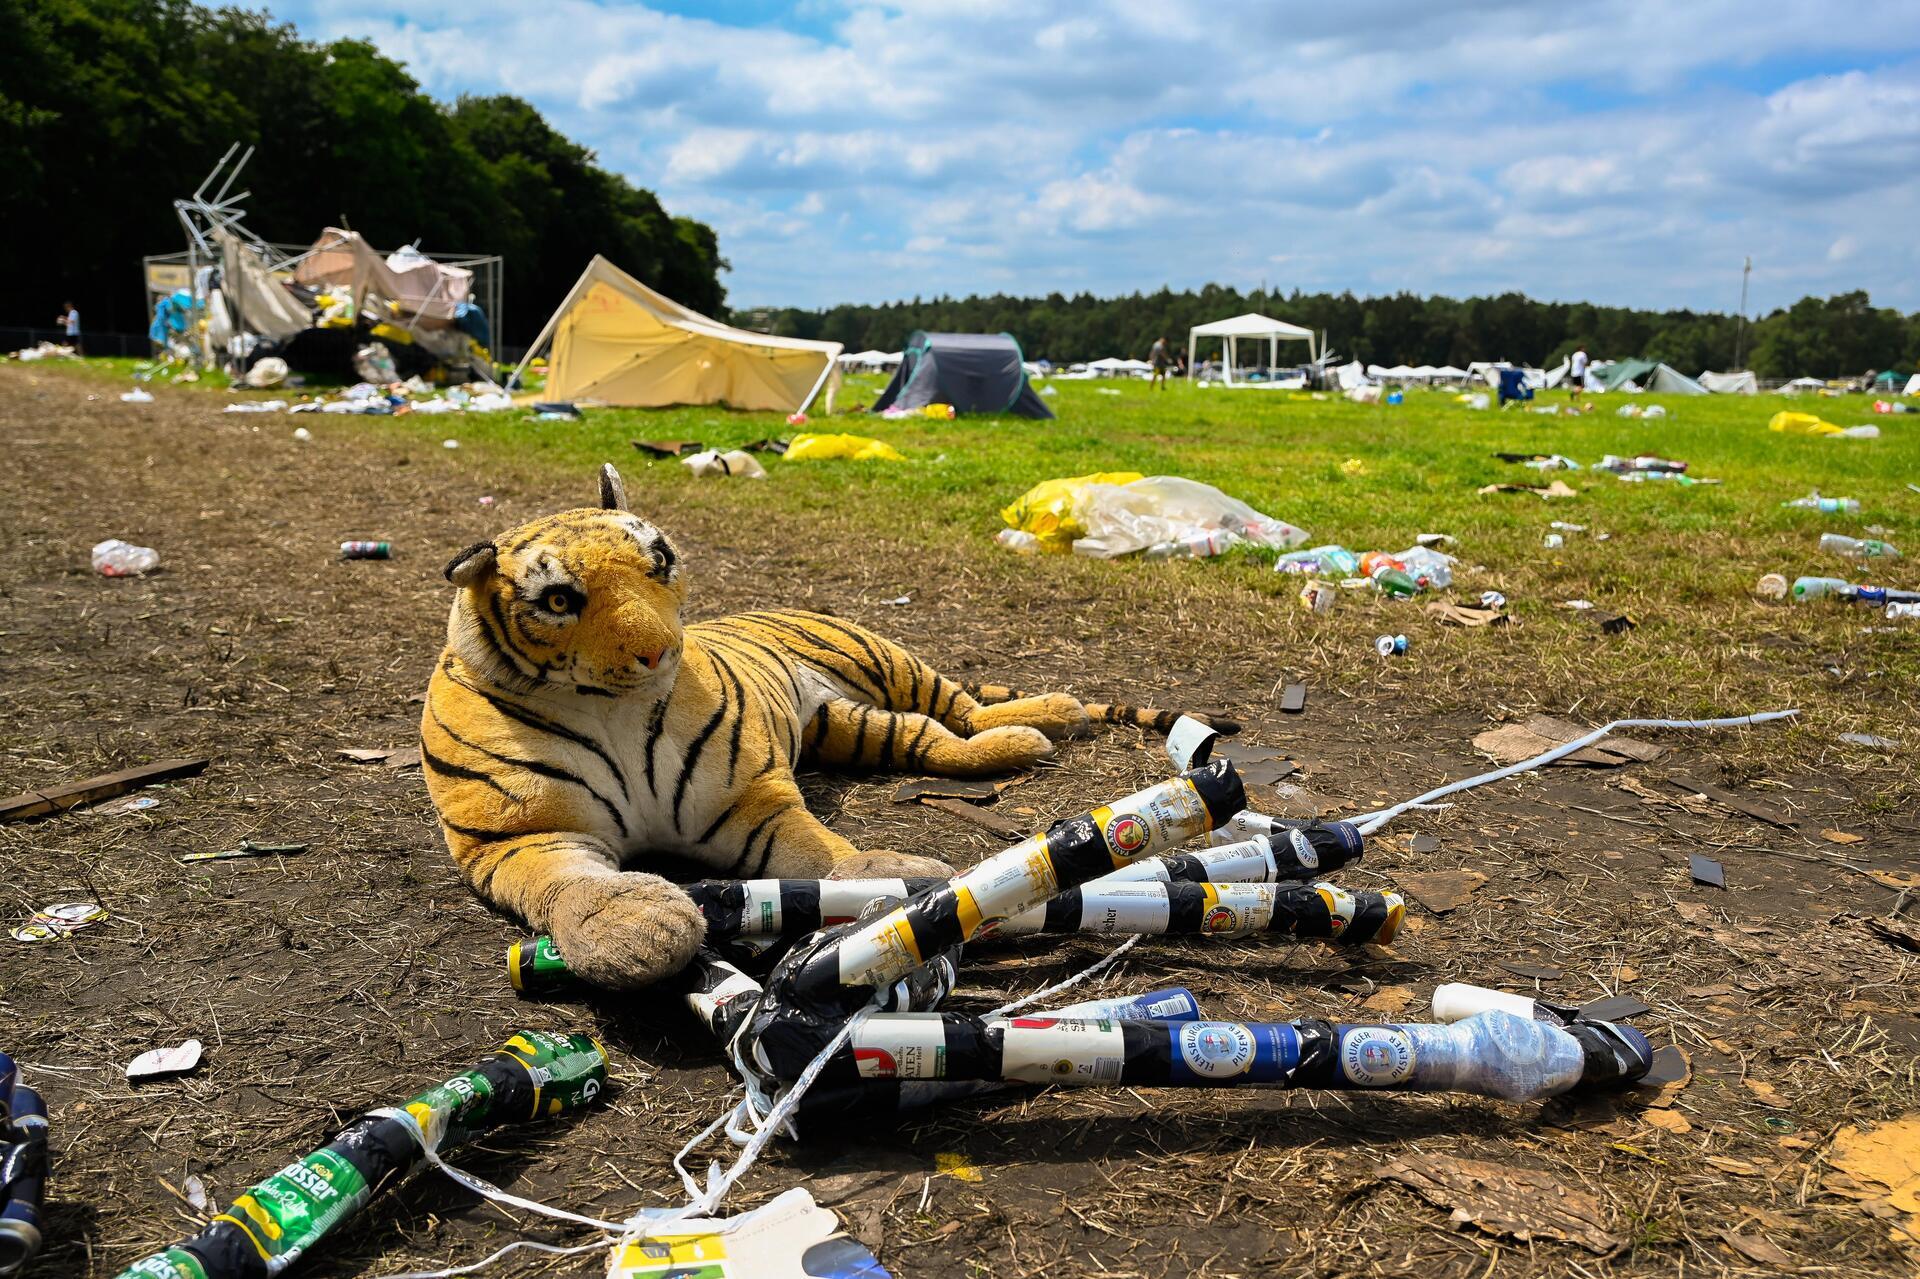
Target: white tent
<point>616,340</point>
<point>1425,372</point>
<point>1251,326</point>
<point>1806,384</point>
<point>1449,373</point>
<point>1731,383</point>
<point>1913,385</point>
<point>870,359</point>
<point>1348,376</point>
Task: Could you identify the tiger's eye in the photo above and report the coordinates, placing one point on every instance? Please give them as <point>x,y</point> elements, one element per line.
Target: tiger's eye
<point>558,602</point>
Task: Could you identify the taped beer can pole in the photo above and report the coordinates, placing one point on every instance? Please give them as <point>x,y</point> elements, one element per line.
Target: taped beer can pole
<point>1322,912</point>
<point>23,1170</point>
<point>534,1075</point>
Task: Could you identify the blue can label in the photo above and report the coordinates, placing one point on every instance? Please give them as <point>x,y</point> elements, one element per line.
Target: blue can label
<point>1376,1056</point>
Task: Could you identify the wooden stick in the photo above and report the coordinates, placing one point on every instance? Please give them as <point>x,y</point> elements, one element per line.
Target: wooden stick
<point>58,799</point>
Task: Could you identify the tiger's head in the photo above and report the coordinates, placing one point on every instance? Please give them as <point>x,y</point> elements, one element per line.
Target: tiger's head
<point>587,601</point>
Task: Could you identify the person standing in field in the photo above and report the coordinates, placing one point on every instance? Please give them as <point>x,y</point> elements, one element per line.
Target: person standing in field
<point>1160,361</point>
<point>69,322</point>
<point>1577,374</point>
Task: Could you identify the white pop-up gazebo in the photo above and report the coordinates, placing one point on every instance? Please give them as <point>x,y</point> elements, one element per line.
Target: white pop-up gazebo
<point>1251,326</point>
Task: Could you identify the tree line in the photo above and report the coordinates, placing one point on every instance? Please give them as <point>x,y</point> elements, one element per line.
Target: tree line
<point>1843,335</point>
<point>111,109</point>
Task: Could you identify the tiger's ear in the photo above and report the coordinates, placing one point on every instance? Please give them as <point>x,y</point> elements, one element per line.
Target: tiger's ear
<point>613,493</point>
<point>472,564</point>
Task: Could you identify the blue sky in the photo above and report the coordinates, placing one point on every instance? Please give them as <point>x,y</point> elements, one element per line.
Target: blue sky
<point>1621,151</point>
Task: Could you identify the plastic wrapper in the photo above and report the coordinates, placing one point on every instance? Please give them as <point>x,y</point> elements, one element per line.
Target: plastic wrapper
<point>732,463</point>
<point>808,447</point>
<point>1098,517</point>
<point>1801,424</point>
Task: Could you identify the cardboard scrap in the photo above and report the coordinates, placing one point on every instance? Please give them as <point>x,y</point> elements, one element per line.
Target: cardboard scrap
<point>1894,932</point>
<point>1511,743</point>
<point>1461,615</point>
<point>1257,765</point>
<point>1668,1120</point>
<point>1841,837</point>
<point>1441,891</point>
<point>1505,1200</point>
<point>1614,1008</point>
<point>155,1062</point>
<point>1706,871</point>
<point>1879,1167</point>
<point>1738,803</point>
<point>947,788</point>
<point>1294,699</point>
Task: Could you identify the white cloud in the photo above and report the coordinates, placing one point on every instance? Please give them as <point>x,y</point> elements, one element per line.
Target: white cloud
<point>1378,145</point>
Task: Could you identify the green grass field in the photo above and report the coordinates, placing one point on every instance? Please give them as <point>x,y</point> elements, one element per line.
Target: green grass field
<point>1680,560</point>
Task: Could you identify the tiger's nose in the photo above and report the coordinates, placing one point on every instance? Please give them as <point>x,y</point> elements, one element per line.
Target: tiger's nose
<point>652,660</point>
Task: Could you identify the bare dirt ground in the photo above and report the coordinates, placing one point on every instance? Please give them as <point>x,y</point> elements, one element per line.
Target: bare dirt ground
<point>357,972</point>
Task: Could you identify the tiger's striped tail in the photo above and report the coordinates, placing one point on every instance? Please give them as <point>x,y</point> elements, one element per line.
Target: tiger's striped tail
<point>1145,717</point>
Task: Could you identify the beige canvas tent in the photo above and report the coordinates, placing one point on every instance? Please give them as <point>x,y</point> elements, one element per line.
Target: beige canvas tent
<point>616,340</point>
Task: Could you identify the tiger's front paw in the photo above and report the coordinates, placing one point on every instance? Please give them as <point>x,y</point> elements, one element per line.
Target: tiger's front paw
<point>882,863</point>
<point>625,931</point>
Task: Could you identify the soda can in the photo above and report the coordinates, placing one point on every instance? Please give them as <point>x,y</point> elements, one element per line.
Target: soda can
<point>535,967</point>
<point>1390,645</point>
<point>1319,596</point>
<point>1492,599</point>
<point>366,550</point>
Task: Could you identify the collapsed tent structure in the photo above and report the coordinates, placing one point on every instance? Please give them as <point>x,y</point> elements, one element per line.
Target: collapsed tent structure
<point>974,372</point>
<point>1647,375</point>
<point>1254,328</point>
<point>335,307</point>
<point>1730,383</point>
<point>617,341</point>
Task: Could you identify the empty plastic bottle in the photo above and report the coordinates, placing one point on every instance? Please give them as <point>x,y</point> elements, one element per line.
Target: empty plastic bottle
<point>1820,588</point>
<point>1322,561</point>
<point>1825,505</point>
<point>1493,1054</point>
<point>1391,580</point>
<point>1858,548</point>
<point>1193,545</point>
<point>1018,540</point>
<point>1904,612</point>
<point>115,558</point>
<point>1430,569</point>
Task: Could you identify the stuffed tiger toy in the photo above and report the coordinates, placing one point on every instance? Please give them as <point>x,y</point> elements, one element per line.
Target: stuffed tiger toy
<point>574,724</point>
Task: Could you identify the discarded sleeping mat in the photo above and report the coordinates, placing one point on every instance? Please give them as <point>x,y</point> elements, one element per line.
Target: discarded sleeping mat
<point>974,372</point>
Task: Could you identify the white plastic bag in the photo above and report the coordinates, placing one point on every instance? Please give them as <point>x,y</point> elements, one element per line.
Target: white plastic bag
<point>115,558</point>
<point>736,463</point>
<point>1123,518</point>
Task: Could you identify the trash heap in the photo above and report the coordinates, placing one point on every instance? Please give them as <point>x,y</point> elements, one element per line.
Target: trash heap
<point>392,399</point>
<point>1109,514</point>
<point>1900,605</point>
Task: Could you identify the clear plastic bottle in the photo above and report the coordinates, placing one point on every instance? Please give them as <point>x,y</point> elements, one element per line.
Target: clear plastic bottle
<point>1193,545</point>
<point>1018,540</point>
<point>1322,561</point>
<point>1820,588</point>
<point>1825,505</point>
<point>115,558</point>
<point>1903,612</point>
<point>1430,569</point>
<point>1490,1054</point>
<point>1857,548</point>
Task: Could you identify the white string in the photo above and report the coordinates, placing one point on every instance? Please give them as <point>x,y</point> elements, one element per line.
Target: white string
<point>1075,980</point>
<point>1374,821</point>
<point>495,1255</point>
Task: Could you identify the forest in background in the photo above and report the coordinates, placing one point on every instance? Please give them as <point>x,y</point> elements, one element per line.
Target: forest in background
<point>1826,337</point>
<point>112,109</point>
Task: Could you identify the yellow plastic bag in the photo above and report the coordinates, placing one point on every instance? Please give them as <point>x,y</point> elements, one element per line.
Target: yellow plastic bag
<point>1046,509</point>
<point>807,447</point>
<point>1801,424</point>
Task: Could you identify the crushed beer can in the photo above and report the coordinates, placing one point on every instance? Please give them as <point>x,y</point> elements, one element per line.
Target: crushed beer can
<point>1390,645</point>
<point>366,550</point>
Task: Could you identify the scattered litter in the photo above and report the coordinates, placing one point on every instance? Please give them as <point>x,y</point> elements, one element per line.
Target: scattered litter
<point>1541,461</point>
<point>787,1238</point>
<point>1441,891</point>
<point>115,558</point>
<point>767,444</point>
<point>1492,599</point>
<point>247,849</point>
<point>938,412</point>
<point>796,419</point>
<point>155,1062</point>
<point>1727,799</point>
<point>486,499</point>
<point>1869,741</point>
<point>1614,623</point>
<point>1461,615</point>
<point>731,463</point>
<point>1614,1008</point>
<point>1553,541</point>
<point>1353,467</point>
<point>58,920</point>
<point>1578,606</point>
<point>1559,488</point>
<point>363,754</point>
<point>556,410</point>
<point>1423,844</point>
<point>138,395</point>
<point>42,351</point>
<point>1257,765</point>
<point>302,433</point>
<point>366,550</point>
<point>1807,424</point>
<point>56,799</point>
<point>1511,743</point>
<point>1324,561</point>
<point>1319,596</point>
<point>1755,1247</point>
<point>899,601</point>
<point>1825,505</point>
<point>196,1194</point>
<point>1116,513</point>
<point>1841,837</point>
<point>668,448</point>
<point>1641,410</point>
<point>947,788</point>
<point>1293,699</point>
<point>1772,586</point>
<point>1390,645</point>
<point>1525,1203</point>
<point>1858,548</point>
<point>1706,871</point>
<point>449,444</point>
<point>267,371</point>
<point>1535,972</point>
<point>807,447</point>
<point>1018,540</point>
<point>124,805</point>
<point>1438,541</point>
<point>256,406</point>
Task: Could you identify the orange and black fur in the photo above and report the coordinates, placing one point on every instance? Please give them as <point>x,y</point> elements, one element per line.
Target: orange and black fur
<point>574,724</point>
